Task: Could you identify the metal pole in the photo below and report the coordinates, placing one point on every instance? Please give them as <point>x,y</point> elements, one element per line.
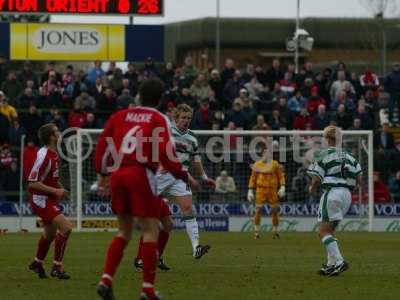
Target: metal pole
<point>218,37</point>
<point>21,181</point>
<point>296,57</point>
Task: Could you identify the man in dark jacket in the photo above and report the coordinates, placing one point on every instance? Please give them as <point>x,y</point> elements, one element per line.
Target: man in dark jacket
<point>392,85</point>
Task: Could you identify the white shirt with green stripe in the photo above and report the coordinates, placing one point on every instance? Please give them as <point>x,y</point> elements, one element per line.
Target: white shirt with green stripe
<point>186,146</point>
<point>335,168</point>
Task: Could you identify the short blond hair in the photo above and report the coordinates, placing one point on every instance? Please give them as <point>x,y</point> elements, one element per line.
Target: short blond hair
<point>182,108</point>
<point>333,133</point>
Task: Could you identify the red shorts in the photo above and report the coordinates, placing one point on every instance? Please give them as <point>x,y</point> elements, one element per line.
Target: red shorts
<point>45,208</point>
<point>133,192</point>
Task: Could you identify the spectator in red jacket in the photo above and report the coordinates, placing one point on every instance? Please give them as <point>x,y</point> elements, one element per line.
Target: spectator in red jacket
<point>77,117</point>
<point>301,121</point>
<point>381,191</point>
<point>314,101</point>
<point>29,156</point>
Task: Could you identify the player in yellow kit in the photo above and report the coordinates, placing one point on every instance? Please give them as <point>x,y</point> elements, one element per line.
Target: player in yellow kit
<point>268,181</point>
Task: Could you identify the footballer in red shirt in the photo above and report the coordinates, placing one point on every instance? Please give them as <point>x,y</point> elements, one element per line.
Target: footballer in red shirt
<point>45,192</point>
<point>137,141</point>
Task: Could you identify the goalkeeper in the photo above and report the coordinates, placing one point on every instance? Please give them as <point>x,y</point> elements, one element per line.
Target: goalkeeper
<point>267,184</point>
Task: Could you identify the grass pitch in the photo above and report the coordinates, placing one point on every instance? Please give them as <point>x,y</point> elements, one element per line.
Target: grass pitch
<point>237,267</point>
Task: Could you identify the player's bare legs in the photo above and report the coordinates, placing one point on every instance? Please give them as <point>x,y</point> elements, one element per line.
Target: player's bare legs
<point>64,227</point>
<point>192,227</point>
<point>44,244</point>
<point>335,258</point>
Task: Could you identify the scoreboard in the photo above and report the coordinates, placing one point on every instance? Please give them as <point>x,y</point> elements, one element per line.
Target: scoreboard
<point>83,7</point>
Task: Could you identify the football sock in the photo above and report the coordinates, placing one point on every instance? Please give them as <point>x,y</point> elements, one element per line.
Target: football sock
<point>332,248</point>
<point>140,249</point>
<point>150,258</point>
<point>43,248</point>
<point>163,238</point>
<point>257,220</point>
<point>113,259</point>
<point>192,229</point>
<point>275,220</point>
<point>59,247</point>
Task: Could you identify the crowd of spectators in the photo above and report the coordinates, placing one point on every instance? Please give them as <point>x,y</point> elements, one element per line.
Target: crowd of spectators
<point>251,97</point>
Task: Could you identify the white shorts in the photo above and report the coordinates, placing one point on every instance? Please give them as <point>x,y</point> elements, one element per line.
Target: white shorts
<point>334,204</point>
<point>168,185</point>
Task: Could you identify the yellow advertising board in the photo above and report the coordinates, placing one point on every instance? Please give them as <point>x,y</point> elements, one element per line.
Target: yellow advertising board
<point>71,42</point>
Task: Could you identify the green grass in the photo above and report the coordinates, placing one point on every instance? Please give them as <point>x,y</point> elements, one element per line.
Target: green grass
<point>236,268</point>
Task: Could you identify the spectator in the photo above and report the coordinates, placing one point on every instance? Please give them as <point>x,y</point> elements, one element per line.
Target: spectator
<point>217,86</point>
<point>27,99</point>
<point>343,118</point>
<point>132,73</point>
<point>233,87</point>
<point>168,74</point>
<point>27,74</point>
<point>91,122</point>
<point>6,109</point>
<point>297,102</point>
<point>125,100</point>
<point>29,156</point>
<point>261,76</point>
<point>12,87</point>
<point>50,68</point>
<point>85,101</point>
<point>150,70</point>
<point>369,80</point>
<point>381,191</point>
<point>384,141</point>
<point>55,117</point>
<point>6,161</point>
<point>225,184</point>
<point>202,119</point>
<point>249,111</point>
<point>228,71</point>
<point>10,182</point>
<point>288,86</point>
<point>392,85</point>
<point>249,74</point>
<point>341,98</point>
<point>314,101</point>
<point>97,90</point>
<point>276,121</point>
<point>367,122</point>
<point>95,72</point>
<point>218,122</point>
<point>321,120</point>
<point>301,121</point>
<point>15,133</point>
<point>284,112</point>
<point>274,74</point>
<point>108,101</point>
<point>236,115</point>
<point>261,124</point>
<point>254,88</point>
<point>77,117</point>
<point>200,88</point>
<point>186,98</point>
<point>394,186</point>
<point>356,124</point>
<point>339,84</point>
<point>189,70</point>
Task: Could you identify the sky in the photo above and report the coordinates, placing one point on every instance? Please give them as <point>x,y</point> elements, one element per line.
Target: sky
<point>178,10</point>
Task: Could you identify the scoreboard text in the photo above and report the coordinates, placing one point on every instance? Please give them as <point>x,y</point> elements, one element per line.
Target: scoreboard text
<point>110,7</point>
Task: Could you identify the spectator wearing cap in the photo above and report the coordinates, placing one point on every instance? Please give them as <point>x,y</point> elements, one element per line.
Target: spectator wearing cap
<point>233,87</point>
<point>200,88</point>
<point>342,117</point>
<point>203,117</point>
<point>95,72</point>
<point>28,74</point>
<point>321,119</point>
<point>341,98</point>
<point>12,87</point>
<point>301,121</point>
<point>339,84</point>
<point>236,115</point>
<point>297,102</point>
<point>6,109</point>
<point>15,133</point>
<point>32,121</point>
<point>314,101</point>
<point>274,74</point>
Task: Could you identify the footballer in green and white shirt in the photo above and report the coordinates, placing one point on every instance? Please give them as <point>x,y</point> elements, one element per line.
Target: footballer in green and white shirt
<point>338,172</point>
<point>174,189</point>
